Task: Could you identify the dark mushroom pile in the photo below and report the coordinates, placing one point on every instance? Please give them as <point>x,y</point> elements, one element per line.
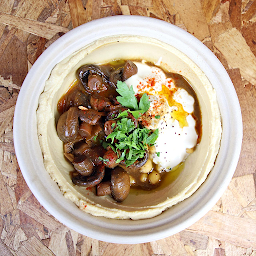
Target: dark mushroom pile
<point>89,112</point>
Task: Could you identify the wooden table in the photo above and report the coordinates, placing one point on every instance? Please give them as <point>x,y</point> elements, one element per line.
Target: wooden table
<point>227,28</point>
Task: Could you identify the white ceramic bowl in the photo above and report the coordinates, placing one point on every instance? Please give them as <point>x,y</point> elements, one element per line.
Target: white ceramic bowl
<point>176,218</point>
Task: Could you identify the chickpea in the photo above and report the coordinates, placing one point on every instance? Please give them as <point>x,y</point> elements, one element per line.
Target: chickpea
<point>152,149</point>
<point>143,177</point>
<point>132,181</point>
<point>147,167</point>
<point>190,150</point>
<point>154,177</point>
<point>158,168</point>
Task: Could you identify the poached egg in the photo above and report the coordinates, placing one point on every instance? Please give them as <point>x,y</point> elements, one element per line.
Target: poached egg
<point>170,112</point>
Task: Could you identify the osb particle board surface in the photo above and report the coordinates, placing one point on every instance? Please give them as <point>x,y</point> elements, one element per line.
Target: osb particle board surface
<point>227,28</point>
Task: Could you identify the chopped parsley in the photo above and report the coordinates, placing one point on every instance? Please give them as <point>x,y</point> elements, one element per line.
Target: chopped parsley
<point>128,141</point>
<point>103,159</point>
<point>123,114</point>
<point>157,117</point>
<point>158,154</point>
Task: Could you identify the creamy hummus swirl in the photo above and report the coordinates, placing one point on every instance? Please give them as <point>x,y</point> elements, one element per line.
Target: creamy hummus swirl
<point>196,167</point>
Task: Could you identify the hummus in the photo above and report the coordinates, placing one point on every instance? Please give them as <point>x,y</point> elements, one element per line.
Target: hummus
<point>183,182</point>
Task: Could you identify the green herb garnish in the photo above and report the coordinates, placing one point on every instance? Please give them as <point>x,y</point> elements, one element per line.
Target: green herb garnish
<point>103,159</point>
<point>127,99</point>
<point>129,141</point>
<point>157,117</point>
<point>123,114</point>
<point>158,154</point>
<point>95,137</point>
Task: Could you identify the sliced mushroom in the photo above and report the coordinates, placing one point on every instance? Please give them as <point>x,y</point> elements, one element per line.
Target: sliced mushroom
<point>99,103</point>
<point>68,147</point>
<point>77,98</point>
<point>84,71</point>
<point>90,116</point>
<point>120,184</point>
<point>80,148</point>
<point>99,79</point>
<point>96,135</point>
<point>85,130</point>
<point>110,156</point>
<point>95,83</point>
<point>83,165</point>
<point>67,126</point>
<point>72,123</point>
<point>94,153</point>
<point>109,126</point>
<point>129,70</point>
<point>61,127</point>
<point>89,181</point>
<point>104,188</point>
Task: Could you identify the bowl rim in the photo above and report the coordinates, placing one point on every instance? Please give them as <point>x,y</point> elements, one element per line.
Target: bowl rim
<point>200,203</point>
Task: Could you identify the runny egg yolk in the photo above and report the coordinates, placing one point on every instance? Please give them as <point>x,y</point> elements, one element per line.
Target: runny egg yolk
<point>178,114</point>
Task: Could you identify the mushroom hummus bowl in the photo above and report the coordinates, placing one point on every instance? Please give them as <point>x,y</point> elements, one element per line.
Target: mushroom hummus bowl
<point>127,134</point>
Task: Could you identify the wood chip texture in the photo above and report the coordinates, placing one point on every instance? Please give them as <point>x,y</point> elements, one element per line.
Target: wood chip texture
<point>227,27</point>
